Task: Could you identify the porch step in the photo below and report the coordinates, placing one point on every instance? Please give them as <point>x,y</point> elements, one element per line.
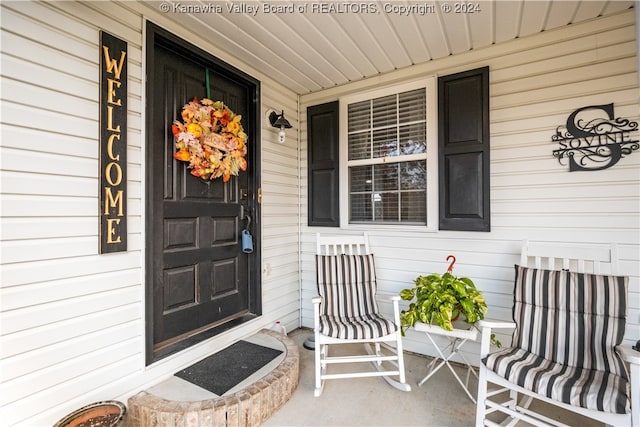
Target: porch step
<point>178,403</point>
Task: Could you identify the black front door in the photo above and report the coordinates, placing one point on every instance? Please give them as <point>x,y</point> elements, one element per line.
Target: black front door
<point>199,281</point>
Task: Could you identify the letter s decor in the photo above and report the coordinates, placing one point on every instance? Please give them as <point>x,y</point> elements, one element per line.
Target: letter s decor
<point>597,143</point>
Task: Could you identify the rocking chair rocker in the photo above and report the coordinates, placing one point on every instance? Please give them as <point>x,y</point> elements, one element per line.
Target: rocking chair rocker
<point>566,349</point>
<point>347,312</point>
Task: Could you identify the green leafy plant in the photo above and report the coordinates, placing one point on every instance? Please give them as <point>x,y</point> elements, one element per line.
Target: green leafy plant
<point>439,300</point>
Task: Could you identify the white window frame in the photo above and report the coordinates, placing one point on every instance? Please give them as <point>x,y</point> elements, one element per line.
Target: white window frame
<point>430,84</point>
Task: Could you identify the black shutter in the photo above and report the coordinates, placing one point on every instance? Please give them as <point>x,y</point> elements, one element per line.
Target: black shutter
<point>463,150</point>
<point>323,165</point>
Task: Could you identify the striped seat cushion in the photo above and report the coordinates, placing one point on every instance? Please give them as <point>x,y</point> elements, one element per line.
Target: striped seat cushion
<point>568,325</point>
<point>587,388</point>
<point>347,285</point>
<point>360,327</point>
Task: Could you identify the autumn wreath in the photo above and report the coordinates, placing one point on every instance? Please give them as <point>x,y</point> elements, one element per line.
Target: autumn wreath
<point>211,139</point>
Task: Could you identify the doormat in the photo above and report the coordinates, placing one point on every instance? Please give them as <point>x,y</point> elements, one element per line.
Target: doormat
<point>224,370</point>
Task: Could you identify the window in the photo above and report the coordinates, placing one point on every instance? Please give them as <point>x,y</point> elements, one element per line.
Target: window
<point>390,155</point>
<point>415,154</point>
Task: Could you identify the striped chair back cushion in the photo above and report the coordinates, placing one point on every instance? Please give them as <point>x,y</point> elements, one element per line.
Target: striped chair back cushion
<point>573,319</point>
<point>347,285</point>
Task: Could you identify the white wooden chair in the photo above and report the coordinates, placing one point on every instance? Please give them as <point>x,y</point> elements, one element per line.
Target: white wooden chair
<point>569,319</point>
<point>347,312</point>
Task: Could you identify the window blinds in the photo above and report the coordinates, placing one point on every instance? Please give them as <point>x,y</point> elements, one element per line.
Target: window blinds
<point>387,155</point>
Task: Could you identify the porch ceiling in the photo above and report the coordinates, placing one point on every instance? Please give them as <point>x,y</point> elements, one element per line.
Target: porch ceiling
<point>330,44</point>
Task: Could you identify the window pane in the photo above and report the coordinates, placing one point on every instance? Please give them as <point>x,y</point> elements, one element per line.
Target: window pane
<point>385,142</point>
<point>360,179</point>
<point>385,177</point>
<point>390,192</point>
<point>385,111</point>
<point>414,207</point>
<point>361,207</point>
<point>359,116</point>
<point>385,207</point>
<point>360,146</point>
<point>413,175</point>
<point>412,106</point>
<point>413,139</point>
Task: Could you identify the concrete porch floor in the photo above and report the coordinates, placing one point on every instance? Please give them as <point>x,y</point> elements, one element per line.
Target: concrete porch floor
<point>372,402</point>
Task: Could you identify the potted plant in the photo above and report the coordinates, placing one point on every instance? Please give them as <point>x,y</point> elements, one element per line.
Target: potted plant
<point>109,413</point>
<point>440,299</point>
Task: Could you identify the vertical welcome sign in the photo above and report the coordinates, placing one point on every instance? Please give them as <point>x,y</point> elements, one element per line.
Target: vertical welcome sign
<point>113,144</point>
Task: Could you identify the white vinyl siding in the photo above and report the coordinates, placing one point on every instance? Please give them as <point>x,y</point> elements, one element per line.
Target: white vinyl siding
<point>535,83</point>
<point>72,322</point>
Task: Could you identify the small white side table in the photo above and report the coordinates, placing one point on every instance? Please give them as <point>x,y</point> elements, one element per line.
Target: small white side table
<point>457,338</point>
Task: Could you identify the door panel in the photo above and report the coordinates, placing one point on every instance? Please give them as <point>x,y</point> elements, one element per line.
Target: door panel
<point>199,277</point>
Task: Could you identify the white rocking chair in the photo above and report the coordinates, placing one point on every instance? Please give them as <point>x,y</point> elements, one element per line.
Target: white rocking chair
<point>347,312</point>
<point>565,349</point>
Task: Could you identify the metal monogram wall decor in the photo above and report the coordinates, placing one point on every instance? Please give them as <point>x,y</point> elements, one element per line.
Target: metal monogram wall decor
<point>597,141</point>
<point>113,144</point>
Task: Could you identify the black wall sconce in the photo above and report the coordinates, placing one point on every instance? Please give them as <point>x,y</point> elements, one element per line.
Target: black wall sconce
<point>278,121</point>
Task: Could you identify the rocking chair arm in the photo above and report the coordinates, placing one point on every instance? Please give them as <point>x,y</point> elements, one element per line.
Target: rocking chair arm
<point>395,301</point>
<point>629,355</point>
<point>316,314</point>
<point>491,324</point>
<point>485,327</point>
